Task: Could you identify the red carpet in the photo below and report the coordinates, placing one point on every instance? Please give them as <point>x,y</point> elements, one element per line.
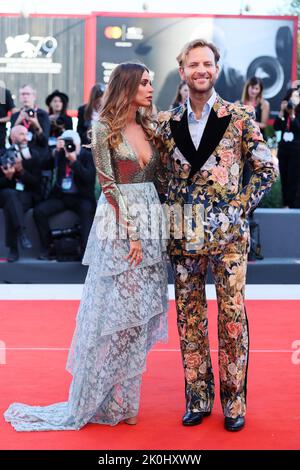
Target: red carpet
<point>38,377</point>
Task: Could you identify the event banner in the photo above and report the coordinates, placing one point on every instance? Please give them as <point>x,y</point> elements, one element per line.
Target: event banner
<point>47,53</point>
<point>249,46</point>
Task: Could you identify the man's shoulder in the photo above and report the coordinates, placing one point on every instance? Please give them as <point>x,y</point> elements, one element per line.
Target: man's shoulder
<point>173,113</point>
<point>164,116</point>
<point>42,112</point>
<point>34,154</point>
<point>14,116</point>
<point>239,110</point>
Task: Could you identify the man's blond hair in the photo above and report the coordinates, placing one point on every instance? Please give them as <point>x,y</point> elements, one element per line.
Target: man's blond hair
<point>192,45</point>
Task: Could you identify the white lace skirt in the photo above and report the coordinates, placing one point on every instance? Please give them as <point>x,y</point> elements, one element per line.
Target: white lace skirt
<point>122,313</point>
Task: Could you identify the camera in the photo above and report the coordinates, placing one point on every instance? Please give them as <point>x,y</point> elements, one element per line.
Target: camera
<point>290,105</point>
<point>69,145</point>
<point>57,127</point>
<point>30,112</point>
<point>8,158</point>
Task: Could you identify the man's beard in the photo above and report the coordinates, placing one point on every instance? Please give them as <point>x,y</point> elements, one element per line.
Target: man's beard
<point>23,145</point>
<point>209,86</point>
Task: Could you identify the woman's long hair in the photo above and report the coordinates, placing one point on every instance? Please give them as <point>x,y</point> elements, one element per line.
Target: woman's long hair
<point>121,90</point>
<point>252,82</point>
<point>288,96</point>
<point>96,92</point>
<point>63,111</point>
<point>178,97</point>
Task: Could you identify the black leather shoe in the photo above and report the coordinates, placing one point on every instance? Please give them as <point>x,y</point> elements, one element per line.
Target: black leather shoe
<point>192,418</point>
<point>13,256</point>
<point>234,424</point>
<point>24,240</point>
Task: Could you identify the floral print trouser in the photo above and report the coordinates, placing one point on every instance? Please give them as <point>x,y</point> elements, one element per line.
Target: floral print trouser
<point>229,271</point>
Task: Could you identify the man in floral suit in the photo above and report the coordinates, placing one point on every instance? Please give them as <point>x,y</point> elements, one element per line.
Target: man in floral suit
<point>207,142</point>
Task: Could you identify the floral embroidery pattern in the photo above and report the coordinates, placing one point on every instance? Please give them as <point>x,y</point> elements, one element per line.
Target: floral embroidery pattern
<point>229,271</point>
<point>218,184</point>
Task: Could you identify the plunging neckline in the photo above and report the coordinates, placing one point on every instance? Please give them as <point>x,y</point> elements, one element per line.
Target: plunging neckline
<point>135,154</point>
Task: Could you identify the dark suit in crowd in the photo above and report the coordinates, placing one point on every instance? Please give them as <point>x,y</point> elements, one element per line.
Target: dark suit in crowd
<point>74,189</point>
<point>19,194</point>
<point>39,142</point>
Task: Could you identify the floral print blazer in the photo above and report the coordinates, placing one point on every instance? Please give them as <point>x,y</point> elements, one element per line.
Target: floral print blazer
<point>208,180</point>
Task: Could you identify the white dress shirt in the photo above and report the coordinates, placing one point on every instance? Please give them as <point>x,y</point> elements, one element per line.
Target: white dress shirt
<point>197,126</point>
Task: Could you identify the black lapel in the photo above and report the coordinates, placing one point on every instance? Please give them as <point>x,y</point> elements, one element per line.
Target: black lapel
<point>181,135</point>
<point>214,130</point>
<point>213,133</point>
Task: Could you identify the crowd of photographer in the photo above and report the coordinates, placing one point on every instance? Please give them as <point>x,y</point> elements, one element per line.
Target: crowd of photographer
<point>45,166</point>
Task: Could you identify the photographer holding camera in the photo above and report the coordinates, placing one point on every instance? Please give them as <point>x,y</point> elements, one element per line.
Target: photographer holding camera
<point>35,120</point>
<point>74,189</point>
<point>19,188</point>
<point>288,122</point>
<point>57,103</point>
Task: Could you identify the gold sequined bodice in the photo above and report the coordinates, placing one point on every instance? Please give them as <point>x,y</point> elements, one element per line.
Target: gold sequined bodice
<point>121,167</point>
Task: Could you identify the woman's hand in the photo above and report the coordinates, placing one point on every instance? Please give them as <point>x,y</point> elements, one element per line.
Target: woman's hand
<point>135,253</point>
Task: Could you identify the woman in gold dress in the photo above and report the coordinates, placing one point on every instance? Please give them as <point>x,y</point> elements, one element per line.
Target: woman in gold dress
<point>123,310</point>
